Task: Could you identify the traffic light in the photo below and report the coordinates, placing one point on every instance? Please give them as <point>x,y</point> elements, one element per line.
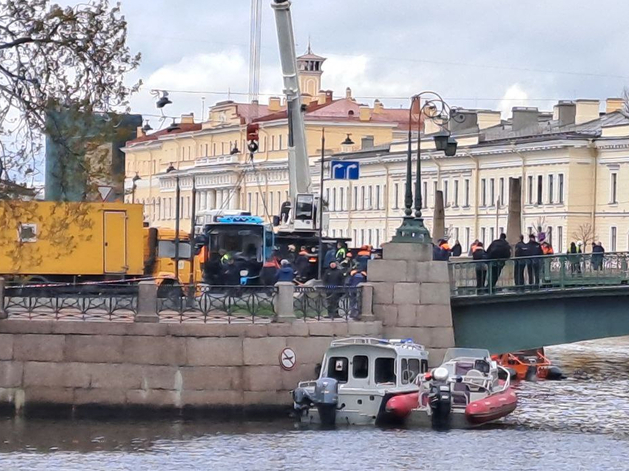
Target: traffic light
<point>252,137</point>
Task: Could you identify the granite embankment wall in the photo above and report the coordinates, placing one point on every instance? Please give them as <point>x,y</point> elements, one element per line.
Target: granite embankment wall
<point>174,366</point>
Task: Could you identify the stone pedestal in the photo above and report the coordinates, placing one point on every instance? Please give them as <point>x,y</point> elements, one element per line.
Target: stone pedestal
<point>147,302</point>
<point>283,303</point>
<point>411,296</point>
<point>367,302</point>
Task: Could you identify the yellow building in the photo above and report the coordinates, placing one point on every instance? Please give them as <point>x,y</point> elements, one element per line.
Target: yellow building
<point>215,154</point>
<point>571,163</point>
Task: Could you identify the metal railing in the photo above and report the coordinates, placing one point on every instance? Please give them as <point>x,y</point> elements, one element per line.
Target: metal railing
<point>328,302</point>
<point>559,271</point>
<point>202,303</point>
<point>72,302</point>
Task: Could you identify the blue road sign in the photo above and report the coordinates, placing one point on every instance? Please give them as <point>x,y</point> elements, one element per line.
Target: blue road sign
<point>344,170</point>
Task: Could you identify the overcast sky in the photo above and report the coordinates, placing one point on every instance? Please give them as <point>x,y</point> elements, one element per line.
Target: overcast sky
<point>476,53</point>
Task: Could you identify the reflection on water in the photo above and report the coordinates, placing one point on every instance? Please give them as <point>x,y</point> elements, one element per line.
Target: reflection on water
<point>545,433</point>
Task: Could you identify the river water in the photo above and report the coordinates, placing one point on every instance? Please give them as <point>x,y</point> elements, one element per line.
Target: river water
<point>581,423</point>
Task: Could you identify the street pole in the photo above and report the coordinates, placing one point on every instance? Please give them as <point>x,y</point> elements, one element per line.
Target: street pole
<point>321,204</point>
<point>193,212</point>
<point>177,210</point>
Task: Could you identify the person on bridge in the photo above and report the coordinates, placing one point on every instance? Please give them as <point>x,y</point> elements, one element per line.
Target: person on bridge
<point>533,249</point>
<point>268,273</point>
<point>479,255</point>
<point>441,251</point>
<point>334,279</point>
<point>356,278</point>
<point>456,249</point>
<point>519,265</point>
<point>597,256</point>
<point>362,257</point>
<point>341,252</point>
<point>330,256</point>
<point>472,247</point>
<point>498,251</point>
<point>574,257</point>
<point>231,274</point>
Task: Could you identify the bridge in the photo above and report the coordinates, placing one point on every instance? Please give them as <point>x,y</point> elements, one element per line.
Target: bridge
<point>508,305</point>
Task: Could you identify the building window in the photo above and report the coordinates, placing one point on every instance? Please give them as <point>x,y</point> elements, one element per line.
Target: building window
<point>540,188</point>
<point>483,193</point>
<point>249,202</point>
<point>614,188</point>
<point>396,195</point>
<point>434,194</point>
<point>355,201</point>
<point>362,236</point>
<point>502,191</point>
<point>369,236</point>
<point>445,193</point>
<point>377,242</point>
<point>271,202</point>
<point>551,189</point>
<point>272,143</point>
<point>456,234</point>
<point>342,199</point>
<point>560,237</point>
<point>425,197</point>
<point>530,189</point>
<point>492,193</point>
<point>492,236</point>
<point>362,197</point>
<point>467,193</point>
<point>467,238</point>
<point>483,236</point>
<point>279,138</point>
<point>612,239</point>
<point>561,188</point>
<point>456,193</point>
<point>549,235</point>
<point>355,239</point>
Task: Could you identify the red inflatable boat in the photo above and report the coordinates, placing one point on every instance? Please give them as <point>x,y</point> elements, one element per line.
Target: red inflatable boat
<point>492,407</point>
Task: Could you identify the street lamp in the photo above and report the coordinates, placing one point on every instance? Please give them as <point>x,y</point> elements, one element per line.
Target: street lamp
<point>171,169</point>
<point>435,109</point>
<point>135,186</point>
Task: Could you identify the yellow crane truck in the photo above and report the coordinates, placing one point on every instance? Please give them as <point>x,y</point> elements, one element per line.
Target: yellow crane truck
<point>45,241</point>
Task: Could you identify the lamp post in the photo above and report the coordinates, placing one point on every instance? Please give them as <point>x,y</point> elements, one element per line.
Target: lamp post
<point>347,141</point>
<point>435,109</point>
<point>134,186</point>
<point>177,209</point>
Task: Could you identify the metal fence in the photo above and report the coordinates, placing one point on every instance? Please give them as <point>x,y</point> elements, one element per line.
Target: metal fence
<point>329,302</point>
<point>74,302</point>
<point>203,303</point>
<point>489,277</point>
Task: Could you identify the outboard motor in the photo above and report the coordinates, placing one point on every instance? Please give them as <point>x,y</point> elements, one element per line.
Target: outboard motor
<point>326,398</point>
<point>440,396</point>
<point>554,373</point>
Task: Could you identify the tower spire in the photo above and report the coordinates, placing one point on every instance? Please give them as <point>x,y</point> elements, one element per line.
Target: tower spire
<point>309,48</point>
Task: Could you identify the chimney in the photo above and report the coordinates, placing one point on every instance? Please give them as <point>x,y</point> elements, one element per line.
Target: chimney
<point>187,118</point>
<point>274,104</point>
<point>614,104</point>
<point>524,117</point>
<point>140,132</point>
<point>321,97</point>
<point>365,113</point>
<point>463,120</point>
<point>564,112</point>
<point>377,106</point>
<point>587,110</point>
<point>487,118</point>
<point>329,96</point>
<point>348,93</point>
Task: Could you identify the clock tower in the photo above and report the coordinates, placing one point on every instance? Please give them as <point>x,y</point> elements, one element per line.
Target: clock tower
<point>310,71</point>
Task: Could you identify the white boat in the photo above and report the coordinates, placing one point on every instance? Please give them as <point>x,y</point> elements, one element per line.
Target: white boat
<point>468,390</point>
<point>358,376</point>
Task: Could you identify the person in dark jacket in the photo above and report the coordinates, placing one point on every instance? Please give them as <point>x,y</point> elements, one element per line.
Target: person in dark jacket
<point>231,273</point>
<point>441,251</point>
<point>302,264</point>
<point>597,256</point>
<point>334,279</point>
<point>457,249</point>
<point>330,256</point>
<point>533,249</point>
<point>479,255</point>
<point>520,265</point>
<point>268,273</point>
<point>286,272</point>
<point>575,258</point>
<point>498,251</point>
<point>355,279</point>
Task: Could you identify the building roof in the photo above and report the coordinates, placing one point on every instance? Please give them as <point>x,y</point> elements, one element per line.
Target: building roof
<point>182,127</point>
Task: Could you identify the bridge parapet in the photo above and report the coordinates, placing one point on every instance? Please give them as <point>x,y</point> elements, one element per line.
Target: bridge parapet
<point>471,278</point>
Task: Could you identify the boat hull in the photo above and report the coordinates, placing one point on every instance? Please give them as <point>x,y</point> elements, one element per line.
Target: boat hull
<point>491,408</point>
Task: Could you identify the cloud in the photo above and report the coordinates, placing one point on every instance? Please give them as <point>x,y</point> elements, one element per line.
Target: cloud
<point>514,96</point>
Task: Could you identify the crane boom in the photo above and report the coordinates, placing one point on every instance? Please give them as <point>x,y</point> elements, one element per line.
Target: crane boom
<point>298,165</point>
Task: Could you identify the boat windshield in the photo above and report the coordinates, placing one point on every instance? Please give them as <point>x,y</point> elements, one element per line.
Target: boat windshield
<point>453,353</point>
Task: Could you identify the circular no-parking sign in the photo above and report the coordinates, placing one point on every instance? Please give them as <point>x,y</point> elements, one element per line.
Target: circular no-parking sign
<point>288,359</point>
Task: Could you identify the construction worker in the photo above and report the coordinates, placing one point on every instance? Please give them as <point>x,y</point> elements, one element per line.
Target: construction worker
<point>356,277</point>
<point>362,257</point>
<point>341,251</point>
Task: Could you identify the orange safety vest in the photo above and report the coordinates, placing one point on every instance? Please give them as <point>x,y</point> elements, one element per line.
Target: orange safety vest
<point>547,250</point>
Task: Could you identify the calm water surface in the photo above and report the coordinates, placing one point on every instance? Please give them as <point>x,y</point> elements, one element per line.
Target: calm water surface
<point>581,423</point>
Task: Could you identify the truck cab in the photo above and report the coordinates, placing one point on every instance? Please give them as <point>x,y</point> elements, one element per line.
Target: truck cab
<point>159,257</point>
